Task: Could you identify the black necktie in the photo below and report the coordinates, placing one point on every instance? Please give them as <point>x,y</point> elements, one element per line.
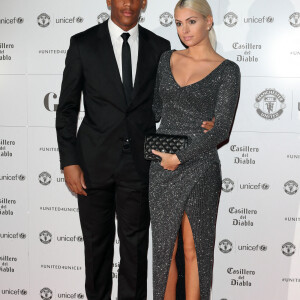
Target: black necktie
<point>126,67</point>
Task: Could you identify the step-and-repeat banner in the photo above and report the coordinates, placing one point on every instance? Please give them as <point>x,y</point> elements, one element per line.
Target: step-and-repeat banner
<point>257,253</point>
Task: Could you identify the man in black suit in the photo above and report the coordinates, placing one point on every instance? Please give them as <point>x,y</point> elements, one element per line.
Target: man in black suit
<point>114,65</point>
<point>104,162</point>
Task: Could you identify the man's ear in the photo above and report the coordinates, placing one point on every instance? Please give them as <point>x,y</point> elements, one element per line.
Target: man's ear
<point>108,2</point>
<point>143,4</point>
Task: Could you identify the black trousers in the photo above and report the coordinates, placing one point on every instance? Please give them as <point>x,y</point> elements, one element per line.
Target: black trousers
<point>125,195</point>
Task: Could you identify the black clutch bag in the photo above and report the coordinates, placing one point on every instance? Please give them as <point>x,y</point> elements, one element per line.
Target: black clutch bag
<point>163,143</point>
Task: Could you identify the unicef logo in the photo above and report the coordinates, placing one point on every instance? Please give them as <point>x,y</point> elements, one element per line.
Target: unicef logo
<point>80,296</point>
<point>102,17</point>
<point>263,248</point>
<point>295,19</point>
<point>79,20</point>
<point>166,19</point>
<point>265,186</point>
<point>46,294</point>
<point>45,178</point>
<point>21,177</point>
<point>269,104</point>
<point>23,292</point>
<point>22,236</point>
<point>20,20</point>
<point>43,20</point>
<point>288,249</point>
<point>227,185</point>
<point>79,239</point>
<point>225,246</point>
<point>45,237</point>
<point>230,19</point>
<point>291,187</point>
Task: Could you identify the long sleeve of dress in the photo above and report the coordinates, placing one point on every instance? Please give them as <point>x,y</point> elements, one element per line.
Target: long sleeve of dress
<point>227,100</point>
<point>157,101</point>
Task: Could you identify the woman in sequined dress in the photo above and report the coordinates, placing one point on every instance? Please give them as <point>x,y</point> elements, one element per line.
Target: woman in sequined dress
<point>193,85</point>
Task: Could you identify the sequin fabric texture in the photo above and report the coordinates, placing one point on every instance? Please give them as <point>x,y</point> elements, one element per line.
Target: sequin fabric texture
<point>194,187</point>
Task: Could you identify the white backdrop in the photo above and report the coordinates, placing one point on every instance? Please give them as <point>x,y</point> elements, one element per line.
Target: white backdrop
<point>257,254</point>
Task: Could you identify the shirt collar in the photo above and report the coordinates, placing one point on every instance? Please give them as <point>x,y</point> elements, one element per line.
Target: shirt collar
<point>115,31</point>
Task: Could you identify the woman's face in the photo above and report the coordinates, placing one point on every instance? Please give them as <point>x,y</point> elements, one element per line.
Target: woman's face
<point>192,27</point>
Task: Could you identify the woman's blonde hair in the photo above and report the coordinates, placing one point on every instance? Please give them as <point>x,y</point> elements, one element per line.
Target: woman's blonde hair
<point>202,7</point>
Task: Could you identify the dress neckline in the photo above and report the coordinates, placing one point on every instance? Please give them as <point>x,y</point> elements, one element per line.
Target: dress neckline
<point>191,84</point>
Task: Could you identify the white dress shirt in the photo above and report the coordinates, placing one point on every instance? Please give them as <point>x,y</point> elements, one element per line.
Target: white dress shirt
<point>117,41</point>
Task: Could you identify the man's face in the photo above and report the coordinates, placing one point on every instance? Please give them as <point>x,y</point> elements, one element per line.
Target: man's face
<point>125,13</point>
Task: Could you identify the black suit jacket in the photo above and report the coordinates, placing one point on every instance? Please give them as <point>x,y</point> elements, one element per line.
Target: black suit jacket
<point>91,69</point>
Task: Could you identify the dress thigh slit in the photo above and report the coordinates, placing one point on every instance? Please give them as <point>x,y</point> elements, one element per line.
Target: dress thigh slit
<point>201,209</point>
<point>200,202</point>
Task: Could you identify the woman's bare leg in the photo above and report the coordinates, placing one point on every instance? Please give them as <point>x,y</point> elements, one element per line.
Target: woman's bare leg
<point>170,293</point>
<point>192,287</point>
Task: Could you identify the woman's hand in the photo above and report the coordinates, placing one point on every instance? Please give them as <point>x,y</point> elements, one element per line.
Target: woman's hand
<point>168,161</point>
<point>208,125</point>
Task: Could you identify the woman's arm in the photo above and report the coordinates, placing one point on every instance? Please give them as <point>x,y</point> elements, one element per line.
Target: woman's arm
<point>157,101</point>
<point>227,100</point>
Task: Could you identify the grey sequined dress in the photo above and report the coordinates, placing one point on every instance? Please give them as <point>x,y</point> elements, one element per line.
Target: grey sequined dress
<point>194,187</point>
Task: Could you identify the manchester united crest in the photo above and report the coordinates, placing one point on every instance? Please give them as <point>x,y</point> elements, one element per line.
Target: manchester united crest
<point>288,249</point>
<point>102,17</point>
<point>166,19</point>
<point>230,19</point>
<point>295,19</point>
<point>225,246</point>
<point>227,185</point>
<point>45,237</point>
<point>291,187</point>
<point>45,178</point>
<point>270,104</point>
<point>43,20</point>
<point>46,294</point>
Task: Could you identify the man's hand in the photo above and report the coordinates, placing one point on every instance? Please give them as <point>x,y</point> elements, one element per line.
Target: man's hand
<point>208,125</point>
<point>75,179</point>
<point>168,161</point>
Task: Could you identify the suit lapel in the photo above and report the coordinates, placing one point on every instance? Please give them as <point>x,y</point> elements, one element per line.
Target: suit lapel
<point>108,58</point>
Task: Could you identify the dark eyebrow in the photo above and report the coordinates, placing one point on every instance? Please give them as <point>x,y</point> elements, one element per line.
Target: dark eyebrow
<point>187,18</point>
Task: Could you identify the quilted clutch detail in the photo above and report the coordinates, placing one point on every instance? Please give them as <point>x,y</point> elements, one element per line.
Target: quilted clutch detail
<point>163,143</point>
